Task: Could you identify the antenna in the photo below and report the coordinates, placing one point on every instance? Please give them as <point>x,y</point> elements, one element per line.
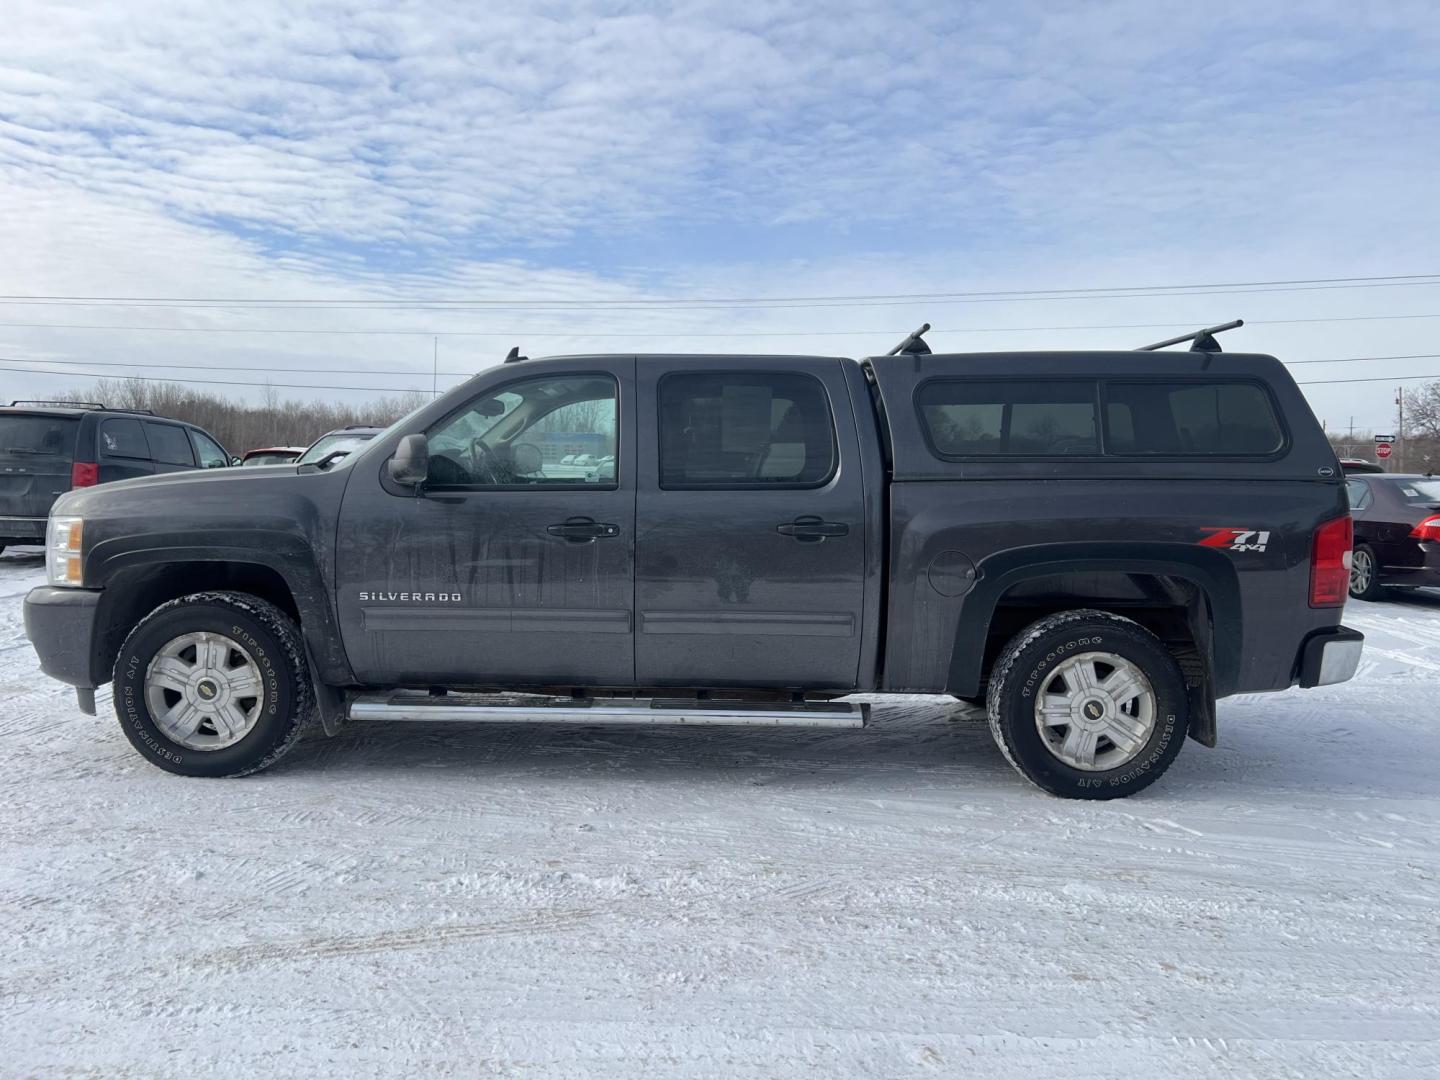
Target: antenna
<point>1204,340</point>
<point>513,356</point>
<point>914,344</point>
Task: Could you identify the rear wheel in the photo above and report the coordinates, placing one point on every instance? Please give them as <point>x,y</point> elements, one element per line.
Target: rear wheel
<point>1088,705</point>
<point>214,684</point>
<point>1364,574</point>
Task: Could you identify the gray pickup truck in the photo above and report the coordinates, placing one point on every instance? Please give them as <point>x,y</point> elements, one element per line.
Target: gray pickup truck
<point>1096,545</point>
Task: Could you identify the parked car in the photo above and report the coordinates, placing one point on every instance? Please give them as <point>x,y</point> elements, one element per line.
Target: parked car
<point>272,455</point>
<point>1397,533</point>
<point>1360,465</point>
<point>1099,544</point>
<point>341,440</point>
<point>50,447</point>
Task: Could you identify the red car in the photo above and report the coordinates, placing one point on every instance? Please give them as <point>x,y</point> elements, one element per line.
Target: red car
<point>1397,533</point>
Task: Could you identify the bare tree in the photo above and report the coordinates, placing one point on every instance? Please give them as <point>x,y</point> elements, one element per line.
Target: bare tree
<point>1422,411</point>
<point>240,426</point>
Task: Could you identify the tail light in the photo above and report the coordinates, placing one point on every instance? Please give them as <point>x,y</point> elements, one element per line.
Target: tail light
<point>84,474</point>
<point>1429,529</point>
<point>1330,563</point>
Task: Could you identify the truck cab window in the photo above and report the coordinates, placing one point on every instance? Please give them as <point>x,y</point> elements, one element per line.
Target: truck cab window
<point>742,429</point>
<point>550,431</point>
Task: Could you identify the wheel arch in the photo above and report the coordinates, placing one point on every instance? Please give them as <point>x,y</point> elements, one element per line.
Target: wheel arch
<point>137,582</point>
<point>1195,586</point>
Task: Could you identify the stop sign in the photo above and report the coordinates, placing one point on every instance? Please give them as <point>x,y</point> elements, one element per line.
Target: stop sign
<point>1382,451</point>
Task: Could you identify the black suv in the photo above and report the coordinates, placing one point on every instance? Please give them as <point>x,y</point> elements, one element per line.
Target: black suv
<point>50,447</point>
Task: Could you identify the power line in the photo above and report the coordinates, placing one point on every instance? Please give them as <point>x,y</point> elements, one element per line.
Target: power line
<point>415,373</point>
<point>408,373</point>
<point>224,382</point>
<point>533,334</point>
<point>1373,378</point>
<point>702,303</point>
<point>416,390</point>
<point>1357,359</point>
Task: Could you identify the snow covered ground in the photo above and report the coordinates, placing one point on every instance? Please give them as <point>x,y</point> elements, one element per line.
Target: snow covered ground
<point>893,902</point>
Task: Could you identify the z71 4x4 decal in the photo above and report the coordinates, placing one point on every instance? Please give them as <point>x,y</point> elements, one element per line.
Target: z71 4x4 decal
<point>1236,539</point>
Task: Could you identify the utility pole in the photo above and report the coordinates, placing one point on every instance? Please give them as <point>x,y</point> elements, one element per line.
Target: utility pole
<point>1352,429</point>
<point>1400,428</point>
<point>435,366</point>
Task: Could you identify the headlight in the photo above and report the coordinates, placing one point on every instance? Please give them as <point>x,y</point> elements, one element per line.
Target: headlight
<point>62,550</point>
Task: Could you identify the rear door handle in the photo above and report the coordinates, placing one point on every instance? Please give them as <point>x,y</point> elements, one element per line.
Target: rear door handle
<point>812,530</point>
<point>583,530</point>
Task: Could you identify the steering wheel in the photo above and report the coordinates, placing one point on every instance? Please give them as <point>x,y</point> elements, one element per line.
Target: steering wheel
<point>485,463</point>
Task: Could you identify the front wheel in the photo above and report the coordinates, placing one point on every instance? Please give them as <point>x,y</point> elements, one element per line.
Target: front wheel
<point>1088,705</point>
<point>213,684</point>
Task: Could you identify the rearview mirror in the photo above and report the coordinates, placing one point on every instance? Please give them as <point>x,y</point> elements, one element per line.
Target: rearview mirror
<point>411,463</point>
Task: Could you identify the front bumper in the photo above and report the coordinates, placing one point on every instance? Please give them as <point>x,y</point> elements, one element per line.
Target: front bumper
<point>23,528</point>
<point>61,624</point>
<point>1330,656</point>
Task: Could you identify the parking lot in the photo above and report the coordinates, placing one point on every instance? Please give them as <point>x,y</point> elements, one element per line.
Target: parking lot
<point>890,902</point>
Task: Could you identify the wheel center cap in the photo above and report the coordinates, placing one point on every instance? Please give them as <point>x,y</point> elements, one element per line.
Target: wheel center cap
<point>207,690</point>
<point>1093,710</point>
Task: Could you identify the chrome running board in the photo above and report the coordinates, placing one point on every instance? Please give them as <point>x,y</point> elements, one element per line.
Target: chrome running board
<point>510,709</point>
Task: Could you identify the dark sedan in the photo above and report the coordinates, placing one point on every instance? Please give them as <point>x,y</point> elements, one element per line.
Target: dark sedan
<point>1397,533</point>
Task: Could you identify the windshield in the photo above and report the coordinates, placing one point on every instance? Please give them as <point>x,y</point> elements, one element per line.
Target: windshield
<point>38,436</point>
<point>328,444</point>
<point>279,457</point>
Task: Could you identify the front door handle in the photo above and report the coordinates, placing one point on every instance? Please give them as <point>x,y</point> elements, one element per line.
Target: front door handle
<point>812,530</point>
<point>583,530</point>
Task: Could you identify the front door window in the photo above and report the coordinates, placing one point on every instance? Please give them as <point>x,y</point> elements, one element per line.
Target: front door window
<point>542,432</point>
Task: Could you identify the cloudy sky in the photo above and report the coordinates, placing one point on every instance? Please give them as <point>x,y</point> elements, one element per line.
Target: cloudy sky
<point>592,176</point>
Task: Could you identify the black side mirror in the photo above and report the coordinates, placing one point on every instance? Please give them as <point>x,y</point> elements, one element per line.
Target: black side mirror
<point>411,463</point>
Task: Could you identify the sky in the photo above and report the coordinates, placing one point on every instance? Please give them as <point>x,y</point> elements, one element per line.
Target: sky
<point>350,193</point>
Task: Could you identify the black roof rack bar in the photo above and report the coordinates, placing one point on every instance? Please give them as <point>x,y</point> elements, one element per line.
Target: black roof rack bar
<point>1204,340</point>
<point>913,344</point>
<point>60,404</point>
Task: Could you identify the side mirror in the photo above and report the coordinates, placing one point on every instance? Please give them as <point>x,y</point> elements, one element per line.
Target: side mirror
<point>235,460</point>
<point>411,463</point>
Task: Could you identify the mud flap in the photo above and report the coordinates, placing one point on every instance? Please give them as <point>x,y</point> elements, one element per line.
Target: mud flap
<point>1204,727</point>
<point>329,700</point>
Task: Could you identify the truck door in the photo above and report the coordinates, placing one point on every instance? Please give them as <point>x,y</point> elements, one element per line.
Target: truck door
<point>514,565</point>
<point>750,525</point>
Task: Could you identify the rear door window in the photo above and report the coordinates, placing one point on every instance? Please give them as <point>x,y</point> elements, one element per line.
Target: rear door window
<point>1359,493</point>
<point>23,436</point>
<point>169,444</point>
<point>737,429</point>
<point>1191,419</point>
<point>122,438</point>
<point>962,418</point>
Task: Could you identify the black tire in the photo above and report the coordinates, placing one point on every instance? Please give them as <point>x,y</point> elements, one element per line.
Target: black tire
<point>274,642</point>
<point>1026,666</point>
<point>1373,589</point>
